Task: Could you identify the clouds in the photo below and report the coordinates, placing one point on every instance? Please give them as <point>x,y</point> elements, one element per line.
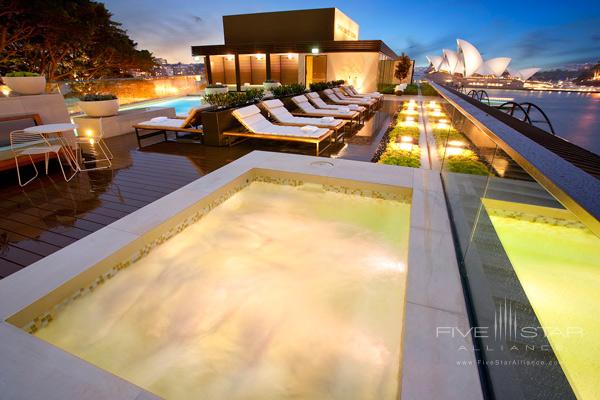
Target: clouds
<point>545,36</point>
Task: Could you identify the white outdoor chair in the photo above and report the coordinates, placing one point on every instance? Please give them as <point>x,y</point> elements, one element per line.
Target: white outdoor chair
<point>29,144</point>
<point>99,150</point>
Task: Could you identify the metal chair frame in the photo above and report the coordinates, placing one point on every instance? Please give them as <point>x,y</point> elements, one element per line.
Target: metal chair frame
<point>37,140</point>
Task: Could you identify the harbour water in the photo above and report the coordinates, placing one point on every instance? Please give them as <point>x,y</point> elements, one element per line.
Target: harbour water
<point>575,116</point>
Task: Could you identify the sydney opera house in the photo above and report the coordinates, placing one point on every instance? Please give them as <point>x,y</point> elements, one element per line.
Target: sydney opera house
<point>467,67</point>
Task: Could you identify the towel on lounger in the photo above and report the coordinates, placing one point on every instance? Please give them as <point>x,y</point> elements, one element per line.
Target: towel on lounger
<point>327,119</point>
<point>309,128</point>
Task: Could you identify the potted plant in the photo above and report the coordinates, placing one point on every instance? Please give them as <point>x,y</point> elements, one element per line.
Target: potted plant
<point>216,88</point>
<point>218,119</point>
<point>25,82</point>
<point>270,84</point>
<point>99,105</point>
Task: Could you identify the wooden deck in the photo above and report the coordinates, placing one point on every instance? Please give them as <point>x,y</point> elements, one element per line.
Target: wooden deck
<point>49,213</point>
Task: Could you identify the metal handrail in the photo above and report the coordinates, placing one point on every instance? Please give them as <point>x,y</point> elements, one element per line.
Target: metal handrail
<point>546,119</point>
<point>513,106</point>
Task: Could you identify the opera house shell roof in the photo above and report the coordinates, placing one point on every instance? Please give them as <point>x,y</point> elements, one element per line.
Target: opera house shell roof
<point>467,61</point>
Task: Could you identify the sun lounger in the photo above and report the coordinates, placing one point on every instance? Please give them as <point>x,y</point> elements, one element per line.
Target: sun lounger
<point>352,90</point>
<point>258,127</point>
<point>341,112</point>
<point>279,113</point>
<point>362,100</point>
<point>336,100</point>
<point>318,102</point>
<point>162,125</point>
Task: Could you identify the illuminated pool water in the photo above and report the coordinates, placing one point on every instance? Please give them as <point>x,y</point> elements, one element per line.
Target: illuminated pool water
<point>182,105</point>
<point>559,269</point>
<point>279,292</point>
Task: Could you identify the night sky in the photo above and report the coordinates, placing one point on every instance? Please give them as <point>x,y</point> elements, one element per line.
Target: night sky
<point>544,34</point>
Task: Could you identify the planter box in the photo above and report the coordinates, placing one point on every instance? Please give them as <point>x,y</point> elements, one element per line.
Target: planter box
<point>26,84</point>
<point>210,90</point>
<point>104,108</point>
<point>214,123</point>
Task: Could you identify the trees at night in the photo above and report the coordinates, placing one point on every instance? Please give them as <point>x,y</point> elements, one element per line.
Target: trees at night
<point>66,39</point>
<point>402,67</point>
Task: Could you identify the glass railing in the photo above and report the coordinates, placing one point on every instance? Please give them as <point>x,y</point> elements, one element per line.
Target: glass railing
<point>530,266</point>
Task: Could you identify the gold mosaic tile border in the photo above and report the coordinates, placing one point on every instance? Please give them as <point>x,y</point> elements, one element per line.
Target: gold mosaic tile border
<point>531,217</point>
<point>43,320</point>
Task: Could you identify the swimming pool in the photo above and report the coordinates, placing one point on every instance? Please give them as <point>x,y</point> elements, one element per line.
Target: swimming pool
<point>246,303</point>
<point>557,261</point>
<point>182,105</point>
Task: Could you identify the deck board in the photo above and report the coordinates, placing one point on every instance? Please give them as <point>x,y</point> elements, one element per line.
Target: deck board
<point>49,213</point>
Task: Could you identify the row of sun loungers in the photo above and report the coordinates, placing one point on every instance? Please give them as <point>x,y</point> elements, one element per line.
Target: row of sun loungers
<point>316,123</point>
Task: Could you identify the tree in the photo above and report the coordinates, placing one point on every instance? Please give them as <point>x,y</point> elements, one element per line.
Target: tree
<point>13,30</point>
<point>404,63</point>
<point>70,39</point>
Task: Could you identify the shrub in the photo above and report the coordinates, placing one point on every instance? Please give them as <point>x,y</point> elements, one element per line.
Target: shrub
<point>270,81</point>
<point>21,74</point>
<point>288,90</point>
<point>386,88</point>
<point>411,89</point>
<point>402,158</point>
<point>215,86</point>
<point>234,99</point>
<point>98,97</point>
<point>318,86</point>
<point>428,90</point>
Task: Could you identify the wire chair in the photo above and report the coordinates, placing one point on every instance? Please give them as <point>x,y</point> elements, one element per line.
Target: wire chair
<point>29,144</point>
<point>99,150</point>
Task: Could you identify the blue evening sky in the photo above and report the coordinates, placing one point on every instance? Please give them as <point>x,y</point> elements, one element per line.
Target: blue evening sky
<point>534,33</point>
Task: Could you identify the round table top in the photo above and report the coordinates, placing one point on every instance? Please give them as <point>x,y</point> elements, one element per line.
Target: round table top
<point>50,128</point>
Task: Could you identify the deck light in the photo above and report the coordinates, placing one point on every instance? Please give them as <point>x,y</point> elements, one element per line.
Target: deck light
<point>410,119</point>
<point>453,151</point>
<point>406,146</point>
<point>315,50</point>
<point>456,143</point>
<point>406,139</point>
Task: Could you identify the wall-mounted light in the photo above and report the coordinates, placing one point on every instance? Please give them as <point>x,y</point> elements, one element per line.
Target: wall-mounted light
<point>230,57</point>
<point>260,56</point>
<point>89,132</point>
<point>315,50</point>
<point>291,56</point>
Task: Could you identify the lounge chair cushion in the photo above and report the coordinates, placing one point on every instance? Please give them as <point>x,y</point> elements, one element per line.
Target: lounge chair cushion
<point>254,121</point>
<point>281,114</point>
<point>308,108</point>
<point>167,122</point>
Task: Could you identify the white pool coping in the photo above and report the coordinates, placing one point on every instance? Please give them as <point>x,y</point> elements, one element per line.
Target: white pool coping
<point>33,369</point>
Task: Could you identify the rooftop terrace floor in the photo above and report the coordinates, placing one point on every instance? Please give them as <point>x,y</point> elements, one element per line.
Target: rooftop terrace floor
<point>49,213</point>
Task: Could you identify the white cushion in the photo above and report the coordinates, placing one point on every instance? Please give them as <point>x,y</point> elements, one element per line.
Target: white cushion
<point>327,119</point>
<point>168,122</point>
<point>159,119</point>
<point>246,111</point>
<point>309,128</point>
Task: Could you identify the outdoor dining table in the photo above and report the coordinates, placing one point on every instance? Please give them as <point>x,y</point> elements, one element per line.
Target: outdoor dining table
<point>56,131</point>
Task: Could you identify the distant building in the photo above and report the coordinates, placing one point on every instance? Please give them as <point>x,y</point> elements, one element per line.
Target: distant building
<point>467,67</point>
<point>302,46</point>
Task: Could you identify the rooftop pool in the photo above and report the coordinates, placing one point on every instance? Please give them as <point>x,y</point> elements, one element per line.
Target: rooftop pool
<point>182,104</point>
<point>280,291</point>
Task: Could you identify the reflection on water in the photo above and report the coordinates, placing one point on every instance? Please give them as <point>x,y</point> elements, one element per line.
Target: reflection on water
<point>279,292</point>
<point>575,116</point>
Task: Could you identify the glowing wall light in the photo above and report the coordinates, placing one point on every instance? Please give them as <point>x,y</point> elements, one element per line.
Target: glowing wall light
<point>229,57</point>
<point>291,56</point>
<point>260,56</point>
<point>315,50</point>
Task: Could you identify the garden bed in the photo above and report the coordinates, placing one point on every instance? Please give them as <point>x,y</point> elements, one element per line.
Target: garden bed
<point>400,145</point>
